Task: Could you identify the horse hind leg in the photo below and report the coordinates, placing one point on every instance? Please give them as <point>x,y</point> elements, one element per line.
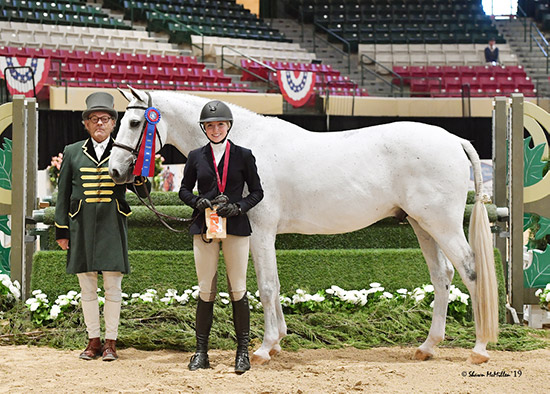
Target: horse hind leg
<point>455,246</point>
<point>265,262</point>
<point>441,274</point>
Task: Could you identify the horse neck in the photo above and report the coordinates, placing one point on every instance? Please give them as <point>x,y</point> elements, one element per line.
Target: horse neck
<point>179,113</point>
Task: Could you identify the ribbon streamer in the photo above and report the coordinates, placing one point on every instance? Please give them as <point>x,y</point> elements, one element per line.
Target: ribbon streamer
<point>145,162</point>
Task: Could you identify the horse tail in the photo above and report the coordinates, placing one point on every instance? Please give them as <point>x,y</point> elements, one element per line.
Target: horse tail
<point>481,241</point>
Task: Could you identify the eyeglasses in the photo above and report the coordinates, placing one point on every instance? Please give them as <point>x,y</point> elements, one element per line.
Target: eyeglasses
<point>104,119</point>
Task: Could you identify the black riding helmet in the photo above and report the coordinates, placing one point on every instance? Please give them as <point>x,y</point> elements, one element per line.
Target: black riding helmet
<point>215,111</point>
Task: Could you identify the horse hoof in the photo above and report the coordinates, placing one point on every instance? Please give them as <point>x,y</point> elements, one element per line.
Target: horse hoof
<point>422,355</point>
<point>275,351</point>
<point>258,360</point>
<point>476,358</point>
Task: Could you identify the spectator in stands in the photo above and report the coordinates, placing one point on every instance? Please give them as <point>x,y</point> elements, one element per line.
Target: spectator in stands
<point>90,221</point>
<point>491,52</point>
<point>223,193</point>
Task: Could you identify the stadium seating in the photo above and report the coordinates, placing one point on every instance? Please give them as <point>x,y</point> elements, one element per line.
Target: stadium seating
<point>236,49</point>
<point>450,80</point>
<point>182,18</point>
<point>65,12</point>
<point>399,22</point>
<point>109,69</point>
<point>431,54</point>
<point>22,34</point>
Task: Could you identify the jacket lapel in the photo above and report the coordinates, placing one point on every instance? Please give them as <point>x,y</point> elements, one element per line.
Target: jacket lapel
<point>88,149</point>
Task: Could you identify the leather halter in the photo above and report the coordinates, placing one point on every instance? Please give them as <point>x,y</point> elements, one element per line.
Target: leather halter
<point>135,150</point>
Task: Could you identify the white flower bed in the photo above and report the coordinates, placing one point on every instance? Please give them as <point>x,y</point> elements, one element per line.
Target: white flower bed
<point>334,298</point>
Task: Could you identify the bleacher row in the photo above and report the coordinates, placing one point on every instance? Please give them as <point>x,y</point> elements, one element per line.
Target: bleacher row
<point>81,38</point>
<point>65,12</point>
<point>401,22</point>
<point>431,54</point>
<point>450,81</point>
<point>111,69</point>
<point>179,19</point>
<point>261,49</point>
<point>326,78</point>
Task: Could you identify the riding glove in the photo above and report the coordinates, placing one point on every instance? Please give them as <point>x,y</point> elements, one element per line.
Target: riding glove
<point>228,210</point>
<point>203,203</point>
<point>220,199</point>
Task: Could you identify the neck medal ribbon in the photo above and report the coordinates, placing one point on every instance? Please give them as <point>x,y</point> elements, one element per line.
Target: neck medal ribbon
<point>145,165</point>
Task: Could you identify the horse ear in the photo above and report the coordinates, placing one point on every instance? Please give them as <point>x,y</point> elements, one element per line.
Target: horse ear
<point>138,94</point>
<point>126,95</point>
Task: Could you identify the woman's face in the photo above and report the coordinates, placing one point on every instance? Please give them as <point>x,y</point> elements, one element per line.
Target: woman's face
<point>216,131</point>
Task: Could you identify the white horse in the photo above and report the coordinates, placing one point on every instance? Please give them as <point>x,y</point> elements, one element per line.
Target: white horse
<point>337,182</point>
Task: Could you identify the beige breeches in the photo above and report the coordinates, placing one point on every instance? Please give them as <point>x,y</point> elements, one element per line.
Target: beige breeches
<point>112,283</point>
<point>235,253</point>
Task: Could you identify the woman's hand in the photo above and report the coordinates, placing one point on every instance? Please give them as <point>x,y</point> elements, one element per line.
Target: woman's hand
<point>203,203</point>
<point>228,210</point>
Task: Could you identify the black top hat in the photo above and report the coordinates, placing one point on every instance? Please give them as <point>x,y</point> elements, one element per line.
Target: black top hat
<point>100,101</point>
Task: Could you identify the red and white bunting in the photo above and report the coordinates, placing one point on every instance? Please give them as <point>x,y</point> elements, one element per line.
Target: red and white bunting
<point>20,80</point>
<point>296,86</point>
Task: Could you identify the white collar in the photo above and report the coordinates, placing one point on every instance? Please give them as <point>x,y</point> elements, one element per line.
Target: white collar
<point>103,144</point>
<point>219,150</point>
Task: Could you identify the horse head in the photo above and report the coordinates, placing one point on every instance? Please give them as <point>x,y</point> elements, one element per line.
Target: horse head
<point>130,136</point>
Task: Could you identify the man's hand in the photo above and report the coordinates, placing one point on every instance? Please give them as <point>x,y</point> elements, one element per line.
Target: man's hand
<point>63,243</point>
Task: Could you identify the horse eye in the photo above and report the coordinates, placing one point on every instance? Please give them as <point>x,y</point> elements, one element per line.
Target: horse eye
<point>134,123</point>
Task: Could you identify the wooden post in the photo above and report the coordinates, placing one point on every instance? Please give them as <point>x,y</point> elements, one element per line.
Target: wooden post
<point>515,193</point>
<point>18,193</point>
<point>24,167</point>
<point>500,132</point>
<point>31,166</point>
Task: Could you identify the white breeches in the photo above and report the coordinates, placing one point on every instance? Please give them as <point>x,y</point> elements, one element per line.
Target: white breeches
<point>112,283</point>
<point>235,253</point>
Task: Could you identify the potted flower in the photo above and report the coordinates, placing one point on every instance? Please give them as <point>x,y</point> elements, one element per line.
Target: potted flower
<point>544,297</point>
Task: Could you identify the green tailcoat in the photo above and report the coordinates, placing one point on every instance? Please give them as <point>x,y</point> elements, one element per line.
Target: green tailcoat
<point>91,211</point>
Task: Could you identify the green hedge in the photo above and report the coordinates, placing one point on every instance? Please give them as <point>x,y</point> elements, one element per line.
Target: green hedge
<point>379,236</point>
<point>304,269</point>
<point>142,216</point>
<point>145,232</point>
<point>172,198</point>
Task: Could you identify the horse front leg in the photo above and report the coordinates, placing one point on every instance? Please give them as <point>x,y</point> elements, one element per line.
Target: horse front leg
<point>262,246</point>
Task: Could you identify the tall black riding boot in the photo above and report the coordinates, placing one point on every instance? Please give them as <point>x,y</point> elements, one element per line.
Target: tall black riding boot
<point>205,312</point>
<point>241,321</point>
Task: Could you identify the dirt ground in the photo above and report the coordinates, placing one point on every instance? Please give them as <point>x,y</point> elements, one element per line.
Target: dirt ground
<point>382,370</point>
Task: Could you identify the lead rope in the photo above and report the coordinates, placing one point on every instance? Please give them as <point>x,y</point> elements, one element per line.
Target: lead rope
<point>161,215</point>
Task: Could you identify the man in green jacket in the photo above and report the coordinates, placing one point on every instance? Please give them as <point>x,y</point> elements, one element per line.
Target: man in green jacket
<point>90,220</point>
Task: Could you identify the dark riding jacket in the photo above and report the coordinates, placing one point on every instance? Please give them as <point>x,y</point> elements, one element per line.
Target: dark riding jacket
<point>199,169</point>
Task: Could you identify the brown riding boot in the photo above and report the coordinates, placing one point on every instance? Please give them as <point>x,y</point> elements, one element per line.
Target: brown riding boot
<point>93,350</point>
<point>109,350</point>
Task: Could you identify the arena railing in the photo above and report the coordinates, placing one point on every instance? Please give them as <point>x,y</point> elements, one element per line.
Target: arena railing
<point>392,86</point>
<point>337,37</point>
<point>224,59</point>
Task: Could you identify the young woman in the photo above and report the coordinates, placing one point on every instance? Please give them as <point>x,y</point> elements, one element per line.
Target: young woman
<point>221,169</point>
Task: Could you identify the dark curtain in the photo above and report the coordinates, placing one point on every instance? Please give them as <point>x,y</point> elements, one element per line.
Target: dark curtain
<point>479,131</point>
<point>59,128</point>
